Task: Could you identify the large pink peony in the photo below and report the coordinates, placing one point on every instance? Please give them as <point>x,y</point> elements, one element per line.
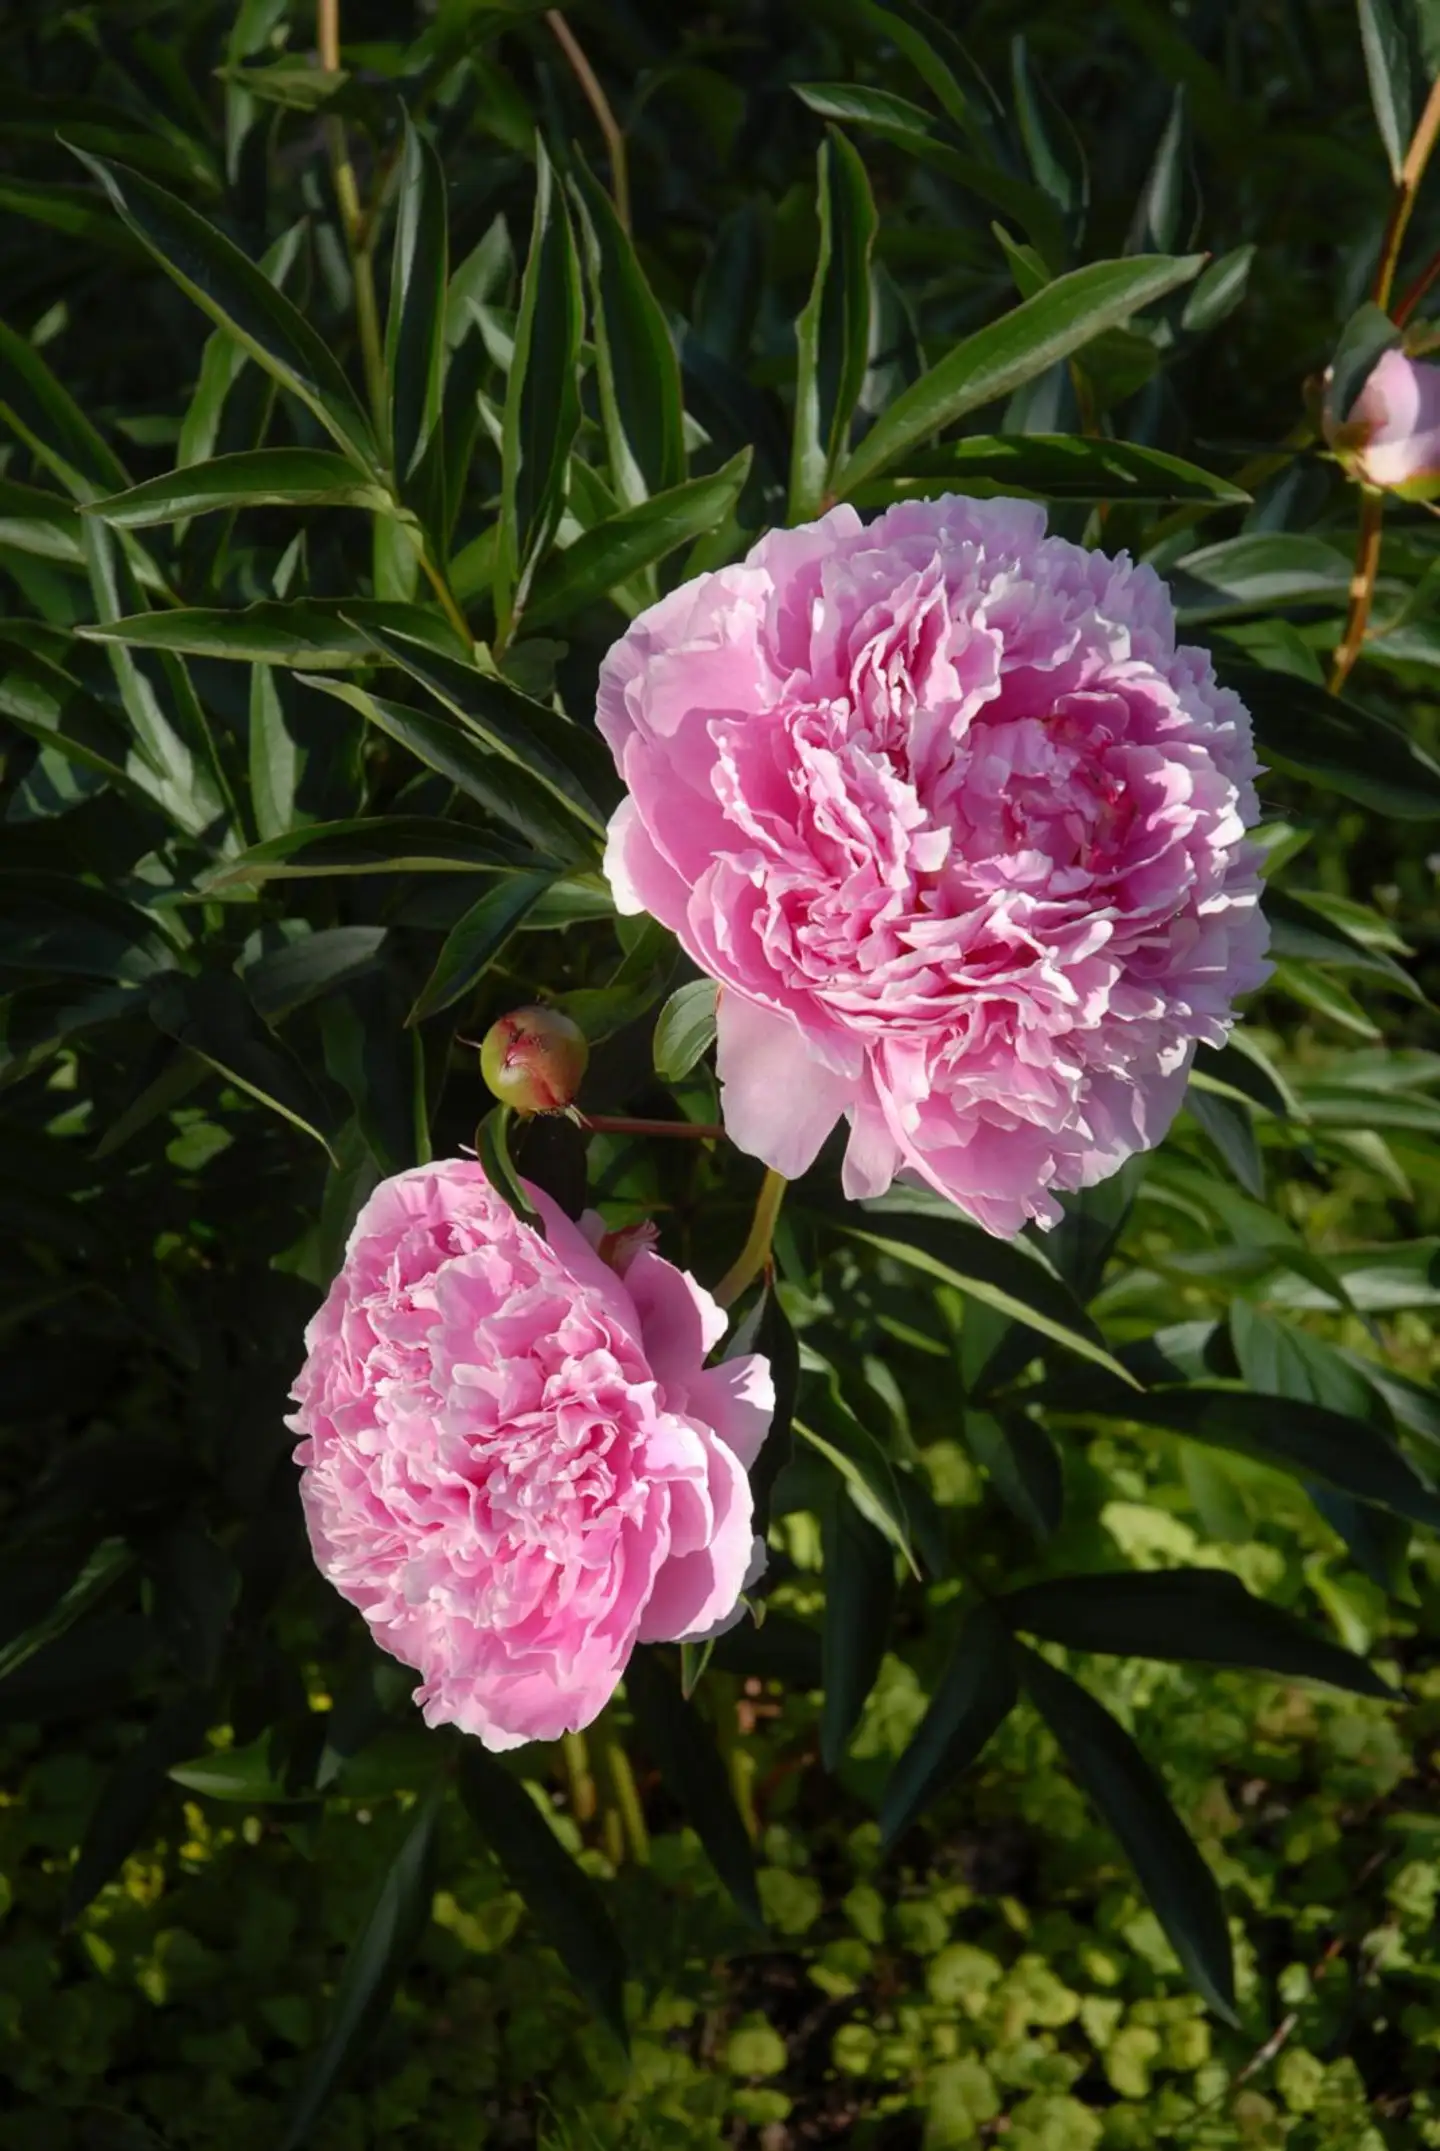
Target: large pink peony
<point>961,833</point>
<point>515,1462</point>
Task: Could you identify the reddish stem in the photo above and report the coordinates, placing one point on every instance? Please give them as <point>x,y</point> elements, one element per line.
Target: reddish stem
<point>619,1124</point>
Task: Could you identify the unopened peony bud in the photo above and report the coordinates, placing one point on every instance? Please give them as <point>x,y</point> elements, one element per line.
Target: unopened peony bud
<point>1390,437</point>
<point>533,1060</point>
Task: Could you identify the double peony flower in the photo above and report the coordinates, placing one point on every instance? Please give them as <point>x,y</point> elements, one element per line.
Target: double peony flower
<point>960,832</point>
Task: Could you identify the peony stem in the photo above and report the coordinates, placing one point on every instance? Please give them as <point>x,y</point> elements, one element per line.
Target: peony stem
<point>627,1798</point>
<point>1362,589</point>
<point>755,1254</point>
<point>352,217</point>
<point>584,1799</point>
<point>621,1124</point>
<point>599,104</point>
<point>1407,188</point>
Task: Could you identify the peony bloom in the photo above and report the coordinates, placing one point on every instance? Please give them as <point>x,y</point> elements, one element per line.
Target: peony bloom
<point>960,832</point>
<point>515,1461</point>
<point>1391,435</point>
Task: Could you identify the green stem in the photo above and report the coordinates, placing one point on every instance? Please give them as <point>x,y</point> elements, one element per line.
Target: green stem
<point>755,1254</point>
<point>448,602</point>
<point>584,1799</point>
<point>627,1798</point>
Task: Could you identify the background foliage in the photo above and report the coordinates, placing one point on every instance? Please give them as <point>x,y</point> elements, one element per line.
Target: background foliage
<point>299,787</point>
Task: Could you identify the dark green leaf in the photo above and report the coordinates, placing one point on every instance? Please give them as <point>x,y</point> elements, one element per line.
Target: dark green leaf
<point>832,334</point>
<point>303,969</point>
<point>542,403</point>
<point>492,1148</point>
<point>1306,1439</point>
<point>1364,340</point>
<point>1023,344</point>
<point>636,369</point>
<point>561,1896</point>
<point>855,1628</point>
<point>1181,1889</point>
<point>256,478</point>
<point>125,1810</point>
<point>930,1236</point>
<point>1258,571</point>
<point>389,844</point>
<point>1386,48</point>
<point>214,1018</point>
<point>571,762</point>
<point>1232,1131</point>
<point>1201,1616</point>
<point>686,1029</point>
<point>1303,730</point>
<point>476,940</point>
<point>683,1749</point>
<point>519,802</point>
<point>623,545</point>
<point>766,1328</point>
<point>314,634</point>
<point>111,1560</point>
<point>238,296</point>
<point>977,1691</point>
<point>1156,222</point>
<point>378,1957</point>
<point>415,330</point>
<point>1023,1466</point>
<point>1056,466</point>
<point>1302,931</point>
<point>826,1421</point>
<point>1217,291</point>
<point>47,417</point>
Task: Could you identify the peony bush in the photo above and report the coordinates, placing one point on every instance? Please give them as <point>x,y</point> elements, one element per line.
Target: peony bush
<point>717,984</point>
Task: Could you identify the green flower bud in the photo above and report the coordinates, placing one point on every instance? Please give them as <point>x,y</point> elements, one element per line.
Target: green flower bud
<point>533,1060</point>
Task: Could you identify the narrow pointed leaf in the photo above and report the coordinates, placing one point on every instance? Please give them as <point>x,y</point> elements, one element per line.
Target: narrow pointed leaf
<point>476,940</point>
<point>313,634</point>
<point>855,1626</point>
<point>542,403</point>
<point>1337,744</point>
<point>492,1148</point>
<point>561,1896</point>
<point>383,844</point>
<point>1057,466</point>
<point>110,1561</point>
<point>636,367</point>
<point>610,552</point>
<point>828,1424</point>
<point>34,404</point>
<point>213,1017</point>
<point>683,1749</point>
<point>1387,66</point>
<point>1024,1467</point>
<point>238,296</point>
<point>832,334</point>
<point>977,1692</point>
<point>373,1970</point>
<point>256,478</point>
<point>520,803</point>
<point>415,330</point>
<point>767,1329</point>
<point>1024,343</point>
<point>1194,1616</point>
<point>937,1241</point>
<point>1129,1795</point>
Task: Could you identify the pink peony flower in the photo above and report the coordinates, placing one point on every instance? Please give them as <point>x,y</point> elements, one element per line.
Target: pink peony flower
<point>515,1461</point>
<point>1391,435</point>
<point>961,833</point>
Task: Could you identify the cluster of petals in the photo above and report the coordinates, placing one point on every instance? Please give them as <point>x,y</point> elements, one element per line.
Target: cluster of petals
<point>959,829</point>
<point>1390,437</point>
<point>515,1461</point>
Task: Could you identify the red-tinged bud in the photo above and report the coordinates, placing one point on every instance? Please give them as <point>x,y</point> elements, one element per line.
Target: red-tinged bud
<point>533,1060</point>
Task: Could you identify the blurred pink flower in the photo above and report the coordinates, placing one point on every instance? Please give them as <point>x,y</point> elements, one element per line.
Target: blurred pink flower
<point>959,830</point>
<point>514,1460</point>
<point>1391,435</point>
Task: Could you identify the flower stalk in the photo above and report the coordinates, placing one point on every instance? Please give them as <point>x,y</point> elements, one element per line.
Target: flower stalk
<point>754,1256</point>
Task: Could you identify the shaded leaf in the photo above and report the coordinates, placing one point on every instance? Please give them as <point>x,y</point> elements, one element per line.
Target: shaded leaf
<point>977,1692</point>
<point>561,1896</point>
<point>855,1626</point>
<point>1023,344</point>
<point>832,334</point>
<point>213,1017</point>
<point>476,940</point>
<point>1129,1795</point>
<point>683,1748</point>
<point>415,329</point>
<point>623,545</point>
<point>256,478</point>
<point>636,368</point>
